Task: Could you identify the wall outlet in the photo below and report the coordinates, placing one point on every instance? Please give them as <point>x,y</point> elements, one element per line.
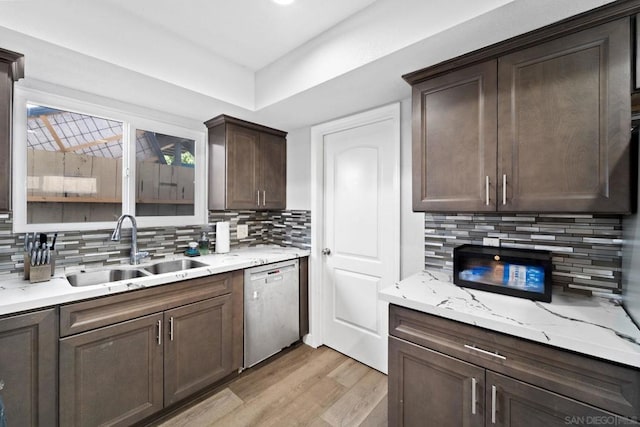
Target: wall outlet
<point>491,241</point>
<point>243,231</point>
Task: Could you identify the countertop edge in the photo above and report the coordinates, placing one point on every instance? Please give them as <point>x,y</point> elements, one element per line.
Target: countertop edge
<point>628,354</point>
<point>22,296</point>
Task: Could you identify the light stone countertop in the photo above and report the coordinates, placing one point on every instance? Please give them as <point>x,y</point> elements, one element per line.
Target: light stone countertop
<point>18,295</point>
<point>597,326</point>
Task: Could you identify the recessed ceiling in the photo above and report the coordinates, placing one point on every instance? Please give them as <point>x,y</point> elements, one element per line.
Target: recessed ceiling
<point>254,57</point>
<point>251,33</point>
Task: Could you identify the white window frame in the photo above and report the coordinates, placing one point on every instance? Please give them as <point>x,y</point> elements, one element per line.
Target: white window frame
<point>131,122</point>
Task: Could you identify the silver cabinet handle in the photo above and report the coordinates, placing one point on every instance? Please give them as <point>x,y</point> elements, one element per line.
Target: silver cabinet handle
<point>488,353</point>
<point>486,190</point>
<point>258,191</point>
<point>474,398</point>
<point>159,332</point>
<point>264,198</point>
<point>504,189</point>
<point>494,392</point>
<point>1,385</point>
<point>171,328</point>
<point>326,251</point>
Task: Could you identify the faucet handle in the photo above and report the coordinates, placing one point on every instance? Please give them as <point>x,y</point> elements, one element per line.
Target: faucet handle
<point>142,254</point>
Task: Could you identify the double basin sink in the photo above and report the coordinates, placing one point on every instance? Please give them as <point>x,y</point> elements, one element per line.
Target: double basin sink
<point>100,277</point>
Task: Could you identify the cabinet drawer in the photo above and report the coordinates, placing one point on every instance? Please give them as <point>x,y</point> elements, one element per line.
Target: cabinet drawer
<point>87,315</point>
<point>605,385</point>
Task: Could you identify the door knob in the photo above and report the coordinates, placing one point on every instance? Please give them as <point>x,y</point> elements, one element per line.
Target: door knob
<point>326,251</point>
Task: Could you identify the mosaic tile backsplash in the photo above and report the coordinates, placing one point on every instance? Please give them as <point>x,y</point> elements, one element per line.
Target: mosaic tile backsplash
<point>94,248</point>
<point>587,249</point>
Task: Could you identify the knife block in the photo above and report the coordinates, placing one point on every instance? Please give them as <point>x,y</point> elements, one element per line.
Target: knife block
<point>38,273</point>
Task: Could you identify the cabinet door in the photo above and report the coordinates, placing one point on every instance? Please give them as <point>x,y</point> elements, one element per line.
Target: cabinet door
<point>429,388</point>
<point>273,171</point>
<point>242,167</point>
<point>112,376</point>
<point>6,86</point>
<point>518,404</point>
<point>455,141</point>
<point>564,123</point>
<point>198,347</point>
<point>28,354</point>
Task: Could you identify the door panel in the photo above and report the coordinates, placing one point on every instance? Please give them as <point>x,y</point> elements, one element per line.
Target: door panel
<point>273,171</point>
<point>430,388</point>
<point>519,404</point>
<point>353,286</point>
<point>198,347</point>
<point>28,355</point>
<point>242,174</point>
<point>111,376</point>
<point>455,141</point>
<point>560,115</point>
<point>359,168</point>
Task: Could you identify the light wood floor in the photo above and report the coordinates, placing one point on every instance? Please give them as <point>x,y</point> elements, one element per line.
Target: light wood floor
<point>304,387</point>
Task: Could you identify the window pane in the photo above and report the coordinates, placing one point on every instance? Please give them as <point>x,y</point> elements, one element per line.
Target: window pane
<point>165,174</point>
<point>74,167</point>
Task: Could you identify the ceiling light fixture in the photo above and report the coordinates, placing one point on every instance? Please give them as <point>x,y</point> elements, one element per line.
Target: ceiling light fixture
<point>283,2</point>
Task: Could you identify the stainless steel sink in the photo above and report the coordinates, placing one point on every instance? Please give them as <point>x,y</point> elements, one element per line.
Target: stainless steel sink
<point>175,265</point>
<point>88,278</point>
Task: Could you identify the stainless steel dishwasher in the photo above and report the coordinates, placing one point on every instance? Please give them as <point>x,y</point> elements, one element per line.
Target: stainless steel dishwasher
<point>271,310</point>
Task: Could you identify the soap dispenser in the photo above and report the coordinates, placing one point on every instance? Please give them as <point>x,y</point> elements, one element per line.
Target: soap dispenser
<point>203,244</point>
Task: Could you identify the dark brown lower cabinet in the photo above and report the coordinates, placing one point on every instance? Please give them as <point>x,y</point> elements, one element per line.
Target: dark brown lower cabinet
<point>517,404</point>
<point>125,357</point>
<point>28,367</point>
<point>445,373</point>
<point>199,349</point>
<point>429,388</point>
<point>112,375</point>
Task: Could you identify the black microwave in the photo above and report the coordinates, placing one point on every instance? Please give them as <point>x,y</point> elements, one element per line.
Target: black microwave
<point>520,273</point>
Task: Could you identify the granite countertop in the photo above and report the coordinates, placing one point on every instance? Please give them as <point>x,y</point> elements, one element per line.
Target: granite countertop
<point>596,326</point>
<point>17,294</point>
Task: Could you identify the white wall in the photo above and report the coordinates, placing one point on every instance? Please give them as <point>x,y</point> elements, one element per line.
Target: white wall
<point>631,262</point>
<point>411,223</point>
<point>299,169</point>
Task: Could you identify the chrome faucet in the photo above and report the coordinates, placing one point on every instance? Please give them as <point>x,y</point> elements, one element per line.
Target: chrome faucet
<point>135,256</point>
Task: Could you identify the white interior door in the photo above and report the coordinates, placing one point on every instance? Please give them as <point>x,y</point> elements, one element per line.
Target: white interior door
<point>360,236</point>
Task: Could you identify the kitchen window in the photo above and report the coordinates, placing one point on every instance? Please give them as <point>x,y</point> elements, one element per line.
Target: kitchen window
<point>79,166</point>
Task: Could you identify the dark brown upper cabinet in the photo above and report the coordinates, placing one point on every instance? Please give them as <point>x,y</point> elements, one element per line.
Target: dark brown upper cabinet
<point>455,140</point>
<point>247,165</point>
<point>11,69</point>
<point>544,127</point>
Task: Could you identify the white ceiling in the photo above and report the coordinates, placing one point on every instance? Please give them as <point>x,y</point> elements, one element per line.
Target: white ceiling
<point>251,33</point>
<point>288,65</point>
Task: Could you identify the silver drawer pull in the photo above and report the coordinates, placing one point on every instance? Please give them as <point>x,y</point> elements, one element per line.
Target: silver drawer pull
<point>494,391</point>
<point>488,353</point>
<point>159,332</point>
<point>486,190</point>
<point>473,396</point>
<point>504,189</point>
<point>171,328</point>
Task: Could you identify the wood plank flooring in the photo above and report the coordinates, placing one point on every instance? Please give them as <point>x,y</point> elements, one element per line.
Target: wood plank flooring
<point>303,387</point>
